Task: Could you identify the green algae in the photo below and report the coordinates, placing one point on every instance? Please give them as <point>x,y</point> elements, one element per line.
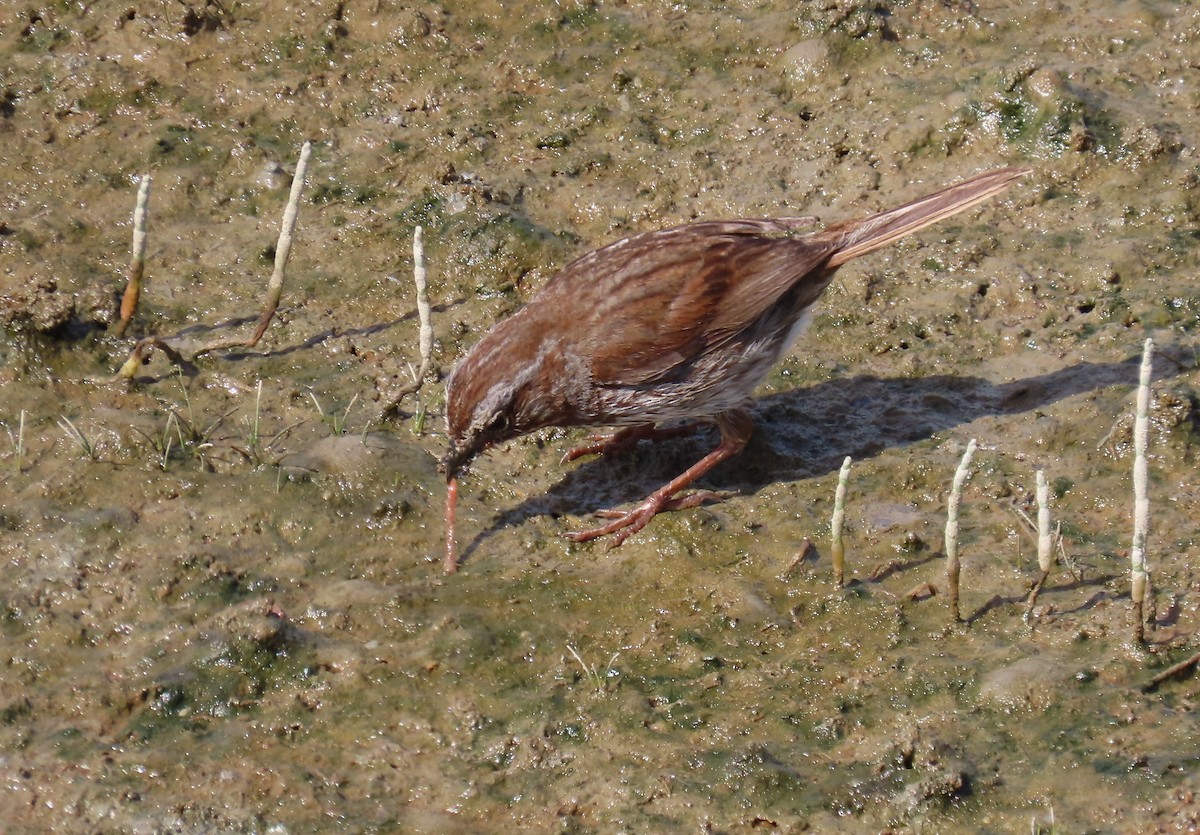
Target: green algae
<point>170,631</point>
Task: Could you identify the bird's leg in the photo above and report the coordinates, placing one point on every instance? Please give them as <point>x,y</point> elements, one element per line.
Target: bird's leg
<point>625,439</point>
<point>736,428</point>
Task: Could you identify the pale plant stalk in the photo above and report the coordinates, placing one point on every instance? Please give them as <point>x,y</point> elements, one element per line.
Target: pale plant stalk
<point>424,311</point>
<point>339,425</point>
<point>1141,500</point>
<point>317,403</point>
<point>254,435</point>
<point>425,334</point>
<point>336,424</point>
<point>76,434</point>
<point>145,347</point>
<point>137,261</point>
<point>172,421</point>
<point>20,440</point>
<point>837,548</point>
<point>953,569</point>
<point>592,672</point>
<point>1045,543</point>
<point>1045,538</point>
<point>283,249</point>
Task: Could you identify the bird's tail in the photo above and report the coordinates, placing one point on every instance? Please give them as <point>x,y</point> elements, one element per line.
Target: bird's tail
<point>871,233</point>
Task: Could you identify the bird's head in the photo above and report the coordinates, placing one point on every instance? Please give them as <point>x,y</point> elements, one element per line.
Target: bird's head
<point>487,402</point>
<point>477,416</point>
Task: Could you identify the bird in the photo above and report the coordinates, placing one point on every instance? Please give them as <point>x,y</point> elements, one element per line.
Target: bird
<point>663,327</point>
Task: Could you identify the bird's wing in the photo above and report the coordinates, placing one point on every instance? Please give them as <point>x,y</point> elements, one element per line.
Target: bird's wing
<point>687,289</point>
<point>657,301</point>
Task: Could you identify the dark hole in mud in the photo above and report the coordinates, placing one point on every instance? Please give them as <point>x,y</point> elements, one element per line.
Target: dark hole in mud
<point>210,19</point>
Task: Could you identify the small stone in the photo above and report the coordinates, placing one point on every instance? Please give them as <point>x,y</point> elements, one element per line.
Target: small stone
<point>1046,83</point>
<point>806,60</point>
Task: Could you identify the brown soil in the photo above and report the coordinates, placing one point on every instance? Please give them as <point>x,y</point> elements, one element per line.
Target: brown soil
<point>222,607</point>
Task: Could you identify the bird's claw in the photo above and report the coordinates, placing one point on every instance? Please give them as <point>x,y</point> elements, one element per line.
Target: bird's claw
<point>597,445</point>
<point>625,523</point>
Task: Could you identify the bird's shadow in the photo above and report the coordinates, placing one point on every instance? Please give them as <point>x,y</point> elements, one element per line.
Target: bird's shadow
<point>193,334</point>
<point>807,432</point>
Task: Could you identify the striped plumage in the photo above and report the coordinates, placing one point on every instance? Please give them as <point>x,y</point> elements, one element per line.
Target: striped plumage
<point>676,324</point>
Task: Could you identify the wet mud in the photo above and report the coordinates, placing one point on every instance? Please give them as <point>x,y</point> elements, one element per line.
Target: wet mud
<point>222,605</point>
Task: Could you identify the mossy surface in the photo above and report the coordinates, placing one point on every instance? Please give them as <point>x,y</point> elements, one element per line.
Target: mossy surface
<point>227,612</point>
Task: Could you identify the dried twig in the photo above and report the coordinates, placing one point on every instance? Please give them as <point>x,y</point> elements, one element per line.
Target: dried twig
<point>142,352</point>
<point>1171,672</point>
<point>802,554</point>
<point>137,261</point>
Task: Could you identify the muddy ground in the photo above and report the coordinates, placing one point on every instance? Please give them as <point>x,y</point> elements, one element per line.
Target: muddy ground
<point>221,605</point>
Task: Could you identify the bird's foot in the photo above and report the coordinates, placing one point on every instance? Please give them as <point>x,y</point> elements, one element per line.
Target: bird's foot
<point>626,523</point>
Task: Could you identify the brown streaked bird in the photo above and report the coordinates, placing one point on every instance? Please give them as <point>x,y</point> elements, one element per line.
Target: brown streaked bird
<point>675,325</point>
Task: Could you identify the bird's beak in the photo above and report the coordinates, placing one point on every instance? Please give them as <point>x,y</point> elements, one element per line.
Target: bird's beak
<point>454,465</point>
<point>451,561</point>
